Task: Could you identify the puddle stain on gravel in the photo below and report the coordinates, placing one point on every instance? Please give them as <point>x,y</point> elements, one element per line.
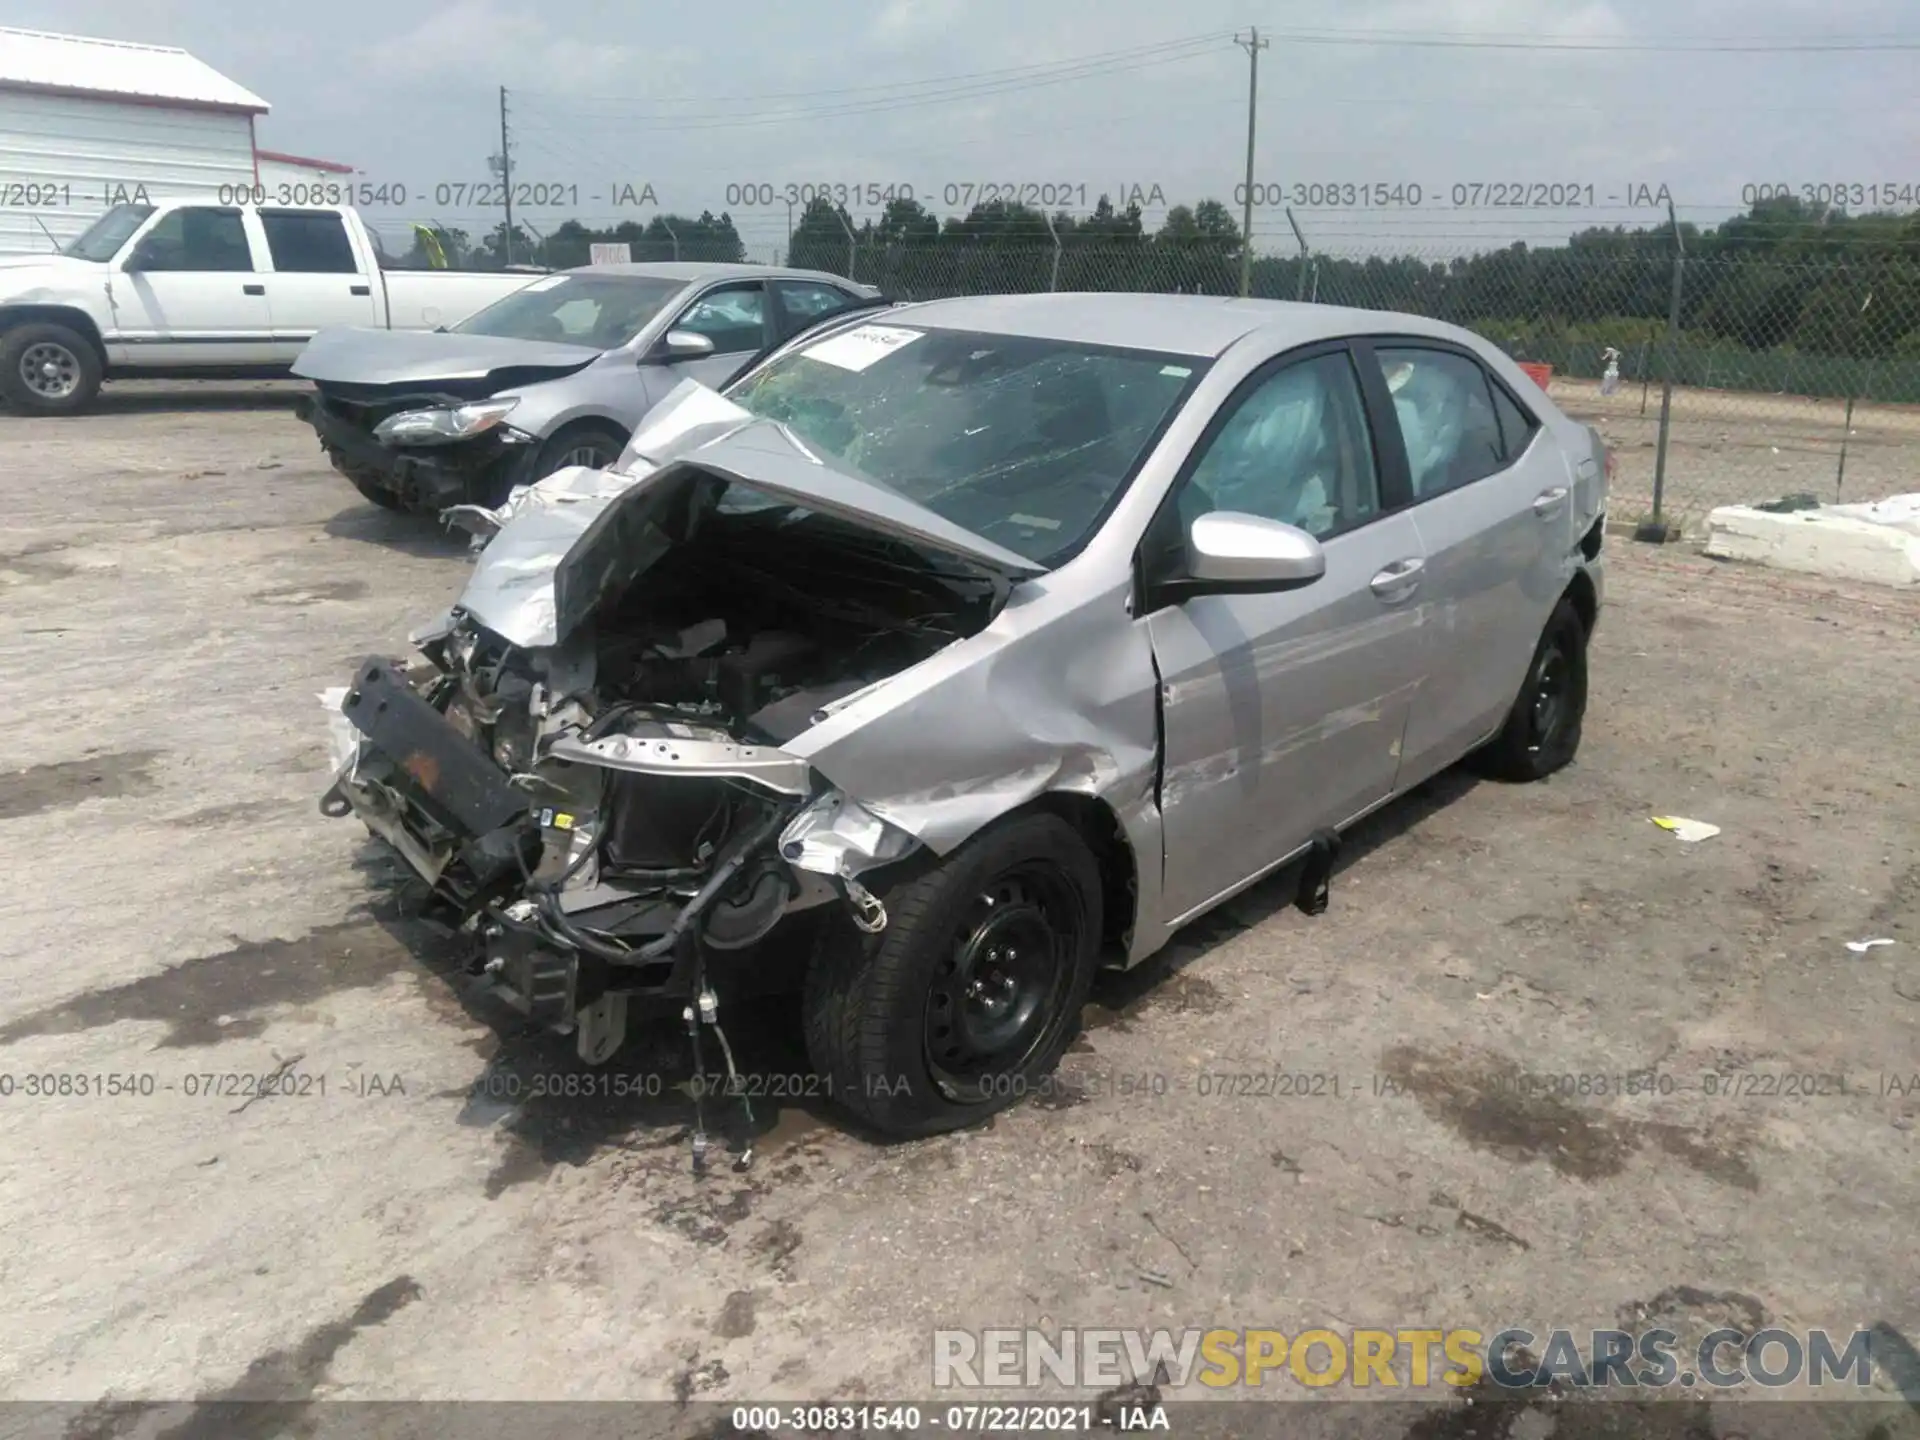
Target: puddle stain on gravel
<point>1179,994</point>
<point>269,1401</point>
<point>314,594</point>
<point>35,565</point>
<point>736,1316</point>
<point>239,813</point>
<point>1708,1309</point>
<point>240,987</point>
<point>1480,1097</point>
<point>1485,1411</point>
<point>777,1245</point>
<point>288,1378</point>
<point>72,782</point>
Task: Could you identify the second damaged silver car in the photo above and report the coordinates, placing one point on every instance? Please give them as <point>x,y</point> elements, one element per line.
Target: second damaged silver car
<point>987,644</point>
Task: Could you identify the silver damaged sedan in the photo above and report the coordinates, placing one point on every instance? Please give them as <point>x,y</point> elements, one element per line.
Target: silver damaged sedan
<point>953,653</point>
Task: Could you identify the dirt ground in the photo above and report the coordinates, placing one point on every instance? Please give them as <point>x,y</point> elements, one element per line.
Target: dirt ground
<point>181,576</point>
<point>1735,447</point>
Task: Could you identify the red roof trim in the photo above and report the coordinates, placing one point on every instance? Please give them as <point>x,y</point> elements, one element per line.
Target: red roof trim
<point>334,166</point>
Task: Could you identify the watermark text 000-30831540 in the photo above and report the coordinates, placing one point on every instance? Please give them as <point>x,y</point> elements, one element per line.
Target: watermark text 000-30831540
<point>443,195</point>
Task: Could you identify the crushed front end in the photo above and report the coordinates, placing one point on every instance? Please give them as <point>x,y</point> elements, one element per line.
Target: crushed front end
<point>477,461</point>
<point>603,853</point>
<point>605,805</point>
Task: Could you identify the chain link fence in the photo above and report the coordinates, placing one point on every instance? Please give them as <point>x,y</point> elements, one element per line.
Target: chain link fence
<point>1757,381</point>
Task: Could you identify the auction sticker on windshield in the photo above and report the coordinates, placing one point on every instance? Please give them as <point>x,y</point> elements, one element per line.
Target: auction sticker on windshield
<point>857,349</point>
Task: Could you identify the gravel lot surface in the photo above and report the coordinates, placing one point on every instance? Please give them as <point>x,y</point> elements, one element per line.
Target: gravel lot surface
<point>181,575</point>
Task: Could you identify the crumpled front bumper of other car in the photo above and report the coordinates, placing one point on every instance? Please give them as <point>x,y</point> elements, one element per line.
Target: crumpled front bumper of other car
<point>429,478</point>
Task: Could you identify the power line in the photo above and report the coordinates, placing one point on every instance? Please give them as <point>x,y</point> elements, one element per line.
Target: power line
<point>1007,72</point>
<point>1495,40</point>
<point>1065,74</point>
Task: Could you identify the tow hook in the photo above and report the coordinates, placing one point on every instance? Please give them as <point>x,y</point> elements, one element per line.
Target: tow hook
<point>868,913</point>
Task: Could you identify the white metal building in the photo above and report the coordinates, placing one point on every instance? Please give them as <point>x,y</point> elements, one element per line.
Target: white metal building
<point>278,169</point>
<point>87,123</point>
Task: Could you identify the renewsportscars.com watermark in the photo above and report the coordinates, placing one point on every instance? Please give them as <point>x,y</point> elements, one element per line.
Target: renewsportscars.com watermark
<point>1414,1359</point>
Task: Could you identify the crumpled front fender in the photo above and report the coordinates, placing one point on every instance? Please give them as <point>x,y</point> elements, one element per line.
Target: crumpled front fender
<point>1057,694</point>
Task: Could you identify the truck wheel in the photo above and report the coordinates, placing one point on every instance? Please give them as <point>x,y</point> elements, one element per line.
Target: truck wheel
<point>48,369</point>
<point>966,1001</point>
<point>1543,728</point>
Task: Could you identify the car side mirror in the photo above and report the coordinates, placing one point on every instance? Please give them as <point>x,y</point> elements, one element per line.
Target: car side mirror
<point>1233,553</point>
<point>685,345</point>
<point>138,258</point>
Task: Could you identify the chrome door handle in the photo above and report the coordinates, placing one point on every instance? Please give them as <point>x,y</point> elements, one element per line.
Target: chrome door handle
<point>1398,580</point>
<point>1548,502</point>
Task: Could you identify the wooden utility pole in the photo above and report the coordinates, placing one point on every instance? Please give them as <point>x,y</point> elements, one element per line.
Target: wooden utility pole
<point>1253,45</point>
<point>506,176</point>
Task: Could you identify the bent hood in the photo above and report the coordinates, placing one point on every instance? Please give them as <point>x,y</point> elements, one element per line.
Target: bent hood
<point>413,357</point>
<point>581,536</point>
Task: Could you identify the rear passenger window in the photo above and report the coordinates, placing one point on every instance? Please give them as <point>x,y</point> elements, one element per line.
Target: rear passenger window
<point>308,242</point>
<point>1445,410</point>
<point>805,301</point>
<point>1516,426</point>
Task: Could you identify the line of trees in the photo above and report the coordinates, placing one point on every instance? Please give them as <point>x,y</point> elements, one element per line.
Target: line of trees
<point>1786,277</point>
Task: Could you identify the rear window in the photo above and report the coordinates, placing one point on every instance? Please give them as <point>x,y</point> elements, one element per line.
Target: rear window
<point>308,242</point>
<point>1516,426</point>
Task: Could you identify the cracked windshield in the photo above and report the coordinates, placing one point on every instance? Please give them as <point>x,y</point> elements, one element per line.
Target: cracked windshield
<point>1024,442</point>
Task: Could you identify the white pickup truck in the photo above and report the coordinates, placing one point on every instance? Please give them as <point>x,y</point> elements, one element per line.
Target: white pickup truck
<point>191,289</point>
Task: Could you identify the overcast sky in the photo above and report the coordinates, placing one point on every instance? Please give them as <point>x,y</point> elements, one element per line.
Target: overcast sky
<point>692,98</point>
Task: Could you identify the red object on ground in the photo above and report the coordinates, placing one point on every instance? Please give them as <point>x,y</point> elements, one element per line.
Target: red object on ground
<point>1540,374</point>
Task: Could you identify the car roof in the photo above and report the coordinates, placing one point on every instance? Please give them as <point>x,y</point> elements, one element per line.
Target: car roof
<point>1203,326</point>
<point>693,271</point>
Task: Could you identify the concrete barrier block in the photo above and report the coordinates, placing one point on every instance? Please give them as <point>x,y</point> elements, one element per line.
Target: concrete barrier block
<point>1816,542</point>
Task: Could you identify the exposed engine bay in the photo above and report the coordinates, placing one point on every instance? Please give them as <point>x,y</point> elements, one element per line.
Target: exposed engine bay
<point>607,815</point>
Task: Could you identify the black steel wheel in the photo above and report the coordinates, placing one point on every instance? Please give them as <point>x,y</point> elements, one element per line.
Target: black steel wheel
<point>1542,732</point>
<point>995,998</point>
<point>965,1002</point>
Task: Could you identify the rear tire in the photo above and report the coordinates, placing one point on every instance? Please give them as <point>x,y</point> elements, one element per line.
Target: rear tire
<point>48,369</point>
<point>965,1003</point>
<point>1543,728</point>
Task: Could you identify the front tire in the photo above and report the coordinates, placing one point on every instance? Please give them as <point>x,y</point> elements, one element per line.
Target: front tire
<point>1543,728</point>
<point>965,1002</point>
<point>48,369</point>
<point>595,446</point>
